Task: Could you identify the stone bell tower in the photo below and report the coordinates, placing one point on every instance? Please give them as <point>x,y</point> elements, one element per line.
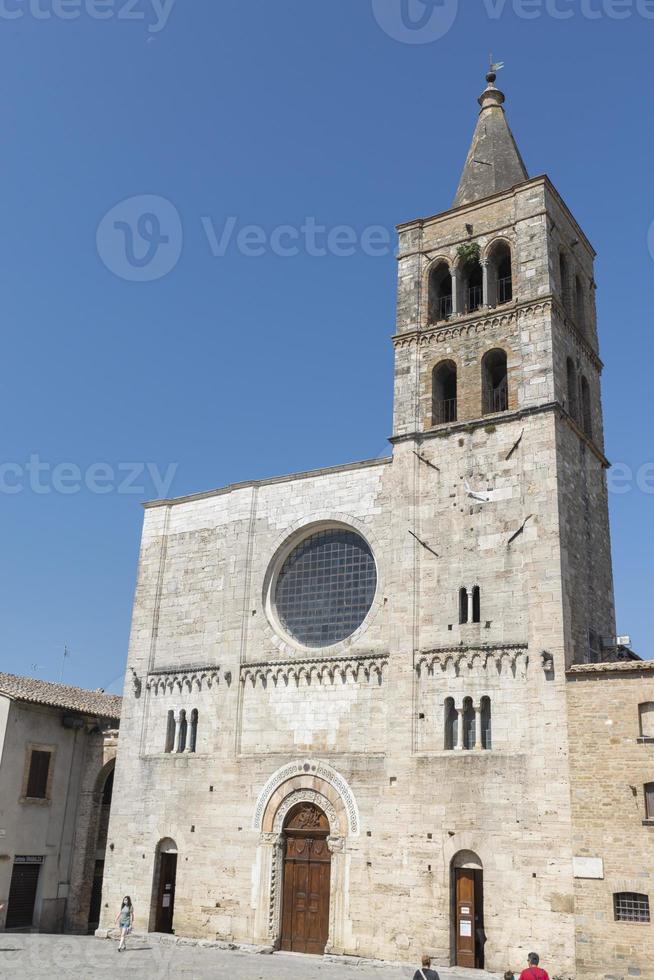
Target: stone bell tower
<point>497,385</point>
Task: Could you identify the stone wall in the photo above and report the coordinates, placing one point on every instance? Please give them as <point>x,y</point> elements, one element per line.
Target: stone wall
<point>612,840</point>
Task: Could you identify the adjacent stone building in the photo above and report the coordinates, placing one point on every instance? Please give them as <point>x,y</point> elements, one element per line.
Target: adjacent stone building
<point>346,722</point>
<point>611,711</point>
<point>57,755</point>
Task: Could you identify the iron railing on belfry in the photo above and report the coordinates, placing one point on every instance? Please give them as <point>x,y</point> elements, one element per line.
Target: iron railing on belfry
<point>445,411</point>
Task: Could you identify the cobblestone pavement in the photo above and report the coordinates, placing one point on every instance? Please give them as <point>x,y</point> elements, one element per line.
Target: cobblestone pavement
<point>24,957</point>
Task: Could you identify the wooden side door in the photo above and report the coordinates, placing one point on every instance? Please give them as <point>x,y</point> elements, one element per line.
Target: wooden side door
<point>465,919</point>
<point>22,896</point>
<point>166,893</point>
<point>307,873</point>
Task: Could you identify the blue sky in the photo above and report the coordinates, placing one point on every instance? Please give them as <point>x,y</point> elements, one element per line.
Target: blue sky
<point>238,366</point>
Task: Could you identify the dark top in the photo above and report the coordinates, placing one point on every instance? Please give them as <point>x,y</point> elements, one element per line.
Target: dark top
<point>429,975</point>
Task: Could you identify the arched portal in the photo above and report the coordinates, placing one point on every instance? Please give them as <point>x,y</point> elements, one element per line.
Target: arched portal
<point>311,793</point>
<point>307,871</point>
<point>163,887</point>
<point>102,806</point>
<point>469,936</point>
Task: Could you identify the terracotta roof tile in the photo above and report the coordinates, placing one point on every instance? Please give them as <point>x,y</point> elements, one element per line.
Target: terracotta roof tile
<point>60,696</point>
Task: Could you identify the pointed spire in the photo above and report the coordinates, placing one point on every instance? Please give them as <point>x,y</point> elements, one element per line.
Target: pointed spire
<point>494,162</point>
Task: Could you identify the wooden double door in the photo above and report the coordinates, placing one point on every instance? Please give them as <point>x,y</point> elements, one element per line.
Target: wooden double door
<point>469,918</point>
<point>307,874</point>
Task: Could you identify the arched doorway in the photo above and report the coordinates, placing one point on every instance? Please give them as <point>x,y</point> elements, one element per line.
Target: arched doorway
<point>307,873</point>
<point>468,911</point>
<point>163,886</point>
<point>102,800</point>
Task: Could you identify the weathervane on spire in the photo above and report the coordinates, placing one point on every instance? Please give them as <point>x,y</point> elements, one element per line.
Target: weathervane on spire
<point>495,66</point>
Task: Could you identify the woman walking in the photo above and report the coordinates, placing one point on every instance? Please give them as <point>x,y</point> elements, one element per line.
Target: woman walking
<point>125,921</point>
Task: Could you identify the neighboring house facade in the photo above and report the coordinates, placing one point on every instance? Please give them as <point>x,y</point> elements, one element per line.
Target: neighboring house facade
<point>57,751</point>
<point>611,725</point>
<point>345,722</point>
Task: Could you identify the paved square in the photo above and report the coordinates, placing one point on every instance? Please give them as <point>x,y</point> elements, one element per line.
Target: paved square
<point>62,957</point>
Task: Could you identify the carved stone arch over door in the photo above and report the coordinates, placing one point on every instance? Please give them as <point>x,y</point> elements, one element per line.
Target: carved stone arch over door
<point>297,791</point>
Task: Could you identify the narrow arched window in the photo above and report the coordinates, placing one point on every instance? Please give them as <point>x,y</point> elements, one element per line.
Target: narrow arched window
<point>170,732</point>
<point>451,725</point>
<point>469,724</point>
<point>500,275</point>
<point>476,604</point>
<point>444,393</point>
<point>486,724</point>
<point>473,286</point>
<point>586,413</point>
<point>183,730</point>
<point>193,734</point>
<point>463,606</point>
<point>495,382</point>
<point>564,281</point>
<point>580,306</point>
<point>440,292</point>
<point>573,389</point>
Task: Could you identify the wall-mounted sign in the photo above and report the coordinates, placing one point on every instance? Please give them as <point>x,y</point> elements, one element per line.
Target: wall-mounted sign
<point>466,928</point>
<point>29,859</point>
<point>587,867</point>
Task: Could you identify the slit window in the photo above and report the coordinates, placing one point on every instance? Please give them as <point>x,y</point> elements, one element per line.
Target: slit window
<point>170,732</point>
<point>469,724</point>
<point>451,725</point>
<point>476,604</point>
<point>193,732</point>
<point>486,724</point>
<point>183,730</point>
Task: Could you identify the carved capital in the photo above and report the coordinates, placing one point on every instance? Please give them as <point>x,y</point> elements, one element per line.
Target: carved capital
<point>336,845</point>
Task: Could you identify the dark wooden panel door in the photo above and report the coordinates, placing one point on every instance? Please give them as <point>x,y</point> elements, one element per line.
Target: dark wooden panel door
<point>465,919</point>
<point>166,893</point>
<point>22,896</point>
<point>307,872</point>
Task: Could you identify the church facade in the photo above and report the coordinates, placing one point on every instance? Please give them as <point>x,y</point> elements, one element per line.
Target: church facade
<point>345,723</point>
